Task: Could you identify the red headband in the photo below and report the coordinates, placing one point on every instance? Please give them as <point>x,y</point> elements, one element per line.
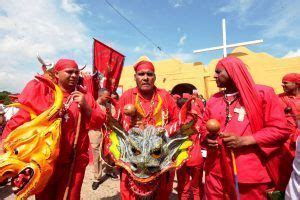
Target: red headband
<point>65,63</point>
<point>142,65</point>
<point>292,77</point>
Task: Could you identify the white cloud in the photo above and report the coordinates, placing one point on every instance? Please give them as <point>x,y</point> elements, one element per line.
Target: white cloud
<point>31,26</point>
<point>239,6</point>
<point>281,19</point>
<point>292,54</point>
<point>71,7</point>
<point>180,3</point>
<point>137,49</point>
<point>182,40</point>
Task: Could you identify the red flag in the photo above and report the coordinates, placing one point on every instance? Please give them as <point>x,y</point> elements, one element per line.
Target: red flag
<point>108,62</point>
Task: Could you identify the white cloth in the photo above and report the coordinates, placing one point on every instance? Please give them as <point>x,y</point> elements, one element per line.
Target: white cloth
<point>292,191</point>
<point>9,112</point>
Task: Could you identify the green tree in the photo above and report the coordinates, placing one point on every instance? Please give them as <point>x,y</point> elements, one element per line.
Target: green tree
<point>4,97</point>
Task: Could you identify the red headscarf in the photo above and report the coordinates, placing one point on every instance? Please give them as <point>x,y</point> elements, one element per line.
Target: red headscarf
<point>242,79</point>
<point>65,63</point>
<point>144,65</point>
<point>292,77</point>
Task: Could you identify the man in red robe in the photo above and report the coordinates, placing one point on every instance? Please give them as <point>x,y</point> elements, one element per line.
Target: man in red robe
<point>39,97</point>
<point>253,129</point>
<point>290,100</point>
<point>155,107</point>
<point>189,176</point>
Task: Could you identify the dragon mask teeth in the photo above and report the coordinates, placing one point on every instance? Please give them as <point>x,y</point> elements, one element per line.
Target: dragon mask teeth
<point>32,148</point>
<point>147,154</point>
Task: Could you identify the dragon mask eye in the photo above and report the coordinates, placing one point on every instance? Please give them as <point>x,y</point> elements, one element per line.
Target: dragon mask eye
<point>156,153</point>
<point>135,151</point>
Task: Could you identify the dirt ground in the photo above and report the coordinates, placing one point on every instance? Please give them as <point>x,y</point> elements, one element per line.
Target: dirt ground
<point>108,190</point>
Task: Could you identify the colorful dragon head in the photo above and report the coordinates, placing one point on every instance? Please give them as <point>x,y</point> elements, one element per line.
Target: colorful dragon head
<point>31,149</point>
<point>148,153</point>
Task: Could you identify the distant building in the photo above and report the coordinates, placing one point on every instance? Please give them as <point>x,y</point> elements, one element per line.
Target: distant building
<point>177,76</point>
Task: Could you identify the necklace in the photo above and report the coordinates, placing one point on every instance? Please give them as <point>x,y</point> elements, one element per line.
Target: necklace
<point>228,103</point>
<point>141,109</point>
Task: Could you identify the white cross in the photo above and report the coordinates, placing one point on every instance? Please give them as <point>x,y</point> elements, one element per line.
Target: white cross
<point>225,46</point>
<point>242,112</point>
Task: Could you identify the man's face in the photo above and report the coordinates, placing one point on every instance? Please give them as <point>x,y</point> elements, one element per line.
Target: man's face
<point>288,87</point>
<point>104,97</point>
<point>222,78</point>
<point>68,78</point>
<point>145,80</point>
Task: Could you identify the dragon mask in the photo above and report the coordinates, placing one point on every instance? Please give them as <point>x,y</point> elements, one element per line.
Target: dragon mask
<point>31,149</point>
<point>148,153</point>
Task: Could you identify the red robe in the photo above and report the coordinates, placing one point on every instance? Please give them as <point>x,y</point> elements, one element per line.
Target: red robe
<point>39,97</point>
<point>292,117</point>
<point>253,177</point>
<point>168,106</point>
<point>189,176</point>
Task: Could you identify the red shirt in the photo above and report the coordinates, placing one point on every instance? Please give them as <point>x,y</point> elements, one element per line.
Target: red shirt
<point>250,164</point>
<point>39,97</point>
<point>149,107</point>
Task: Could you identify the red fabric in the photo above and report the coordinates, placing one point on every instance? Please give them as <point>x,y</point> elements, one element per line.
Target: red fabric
<point>242,79</point>
<point>196,158</point>
<point>269,139</point>
<point>169,105</point>
<point>294,103</point>
<point>144,65</point>
<point>90,86</point>
<point>65,63</point>
<point>55,189</point>
<point>39,97</point>
<point>190,182</point>
<point>214,187</point>
<point>129,97</point>
<point>109,62</point>
<point>163,192</point>
<point>292,77</point>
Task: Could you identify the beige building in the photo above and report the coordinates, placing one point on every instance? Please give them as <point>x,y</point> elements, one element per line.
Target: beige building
<point>176,76</point>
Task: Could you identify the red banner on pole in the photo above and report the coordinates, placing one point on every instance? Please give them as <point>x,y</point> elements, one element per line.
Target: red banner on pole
<point>108,62</point>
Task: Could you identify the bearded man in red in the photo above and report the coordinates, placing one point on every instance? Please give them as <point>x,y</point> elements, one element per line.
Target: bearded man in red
<point>39,97</point>
<point>155,107</point>
<point>253,129</point>
<point>290,100</point>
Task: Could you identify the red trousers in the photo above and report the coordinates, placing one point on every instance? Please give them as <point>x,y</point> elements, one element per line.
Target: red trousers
<point>190,182</point>
<point>58,183</point>
<point>163,192</point>
<point>214,189</point>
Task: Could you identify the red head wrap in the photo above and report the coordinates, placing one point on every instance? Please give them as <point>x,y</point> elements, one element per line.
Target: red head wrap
<point>144,65</point>
<point>186,95</point>
<point>242,79</point>
<point>292,77</point>
<point>65,63</point>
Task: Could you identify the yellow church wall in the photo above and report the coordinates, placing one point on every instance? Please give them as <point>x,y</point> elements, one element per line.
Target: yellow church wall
<point>264,68</point>
<point>169,73</point>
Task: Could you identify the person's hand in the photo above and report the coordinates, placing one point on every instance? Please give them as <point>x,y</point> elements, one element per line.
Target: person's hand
<point>212,143</point>
<point>79,98</point>
<point>233,141</point>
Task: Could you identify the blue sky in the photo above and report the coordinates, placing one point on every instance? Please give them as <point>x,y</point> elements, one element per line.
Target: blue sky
<point>65,28</point>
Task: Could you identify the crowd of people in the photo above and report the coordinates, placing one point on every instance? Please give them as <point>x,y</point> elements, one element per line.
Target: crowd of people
<point>246,159</point>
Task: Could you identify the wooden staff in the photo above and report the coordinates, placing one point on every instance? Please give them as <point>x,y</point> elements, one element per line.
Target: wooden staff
<point>213,127</point>
<point>74,157</point>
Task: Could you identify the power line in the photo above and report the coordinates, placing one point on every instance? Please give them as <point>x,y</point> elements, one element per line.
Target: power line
<point>138,30</point>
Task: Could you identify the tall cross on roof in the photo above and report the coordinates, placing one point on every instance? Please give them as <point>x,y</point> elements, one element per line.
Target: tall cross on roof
<point>225,45</point>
